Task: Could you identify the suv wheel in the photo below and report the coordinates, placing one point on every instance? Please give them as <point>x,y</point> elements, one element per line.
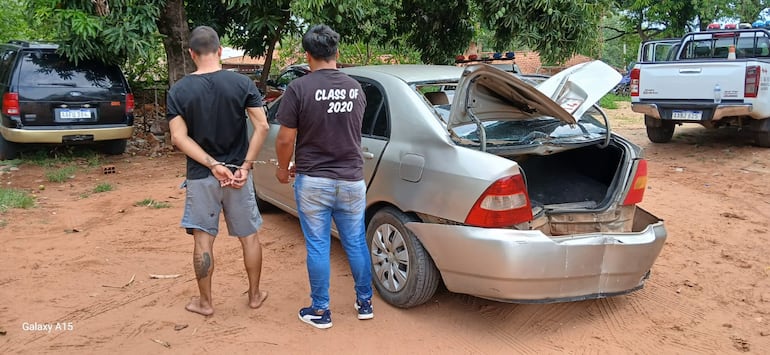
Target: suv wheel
<point>114,147</point>
<point>8,150</point>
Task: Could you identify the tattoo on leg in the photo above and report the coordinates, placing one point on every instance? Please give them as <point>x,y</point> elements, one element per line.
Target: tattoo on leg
<point>202,265</point>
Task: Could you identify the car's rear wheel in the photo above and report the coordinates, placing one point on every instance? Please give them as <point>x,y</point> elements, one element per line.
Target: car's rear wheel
<point>8,150</point>
<point>114,147</point>
<point>660,133</point>
<point>402,270</point>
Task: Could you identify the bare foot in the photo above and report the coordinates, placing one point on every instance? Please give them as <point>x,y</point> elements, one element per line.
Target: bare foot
<point>257,303</point>
<point>195,307</point>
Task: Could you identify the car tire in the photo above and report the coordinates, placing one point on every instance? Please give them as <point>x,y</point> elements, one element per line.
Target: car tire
<point>662,133</point>
<point>114,147</point>
<point>8,150</point>
<point>387,236</point>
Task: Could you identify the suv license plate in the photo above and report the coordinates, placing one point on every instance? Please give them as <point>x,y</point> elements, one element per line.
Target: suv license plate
<point>75,115</point>
<point>687,115</point>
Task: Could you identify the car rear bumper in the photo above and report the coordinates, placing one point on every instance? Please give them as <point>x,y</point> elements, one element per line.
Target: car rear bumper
<point>531,267</point>
<point>66,134</point>
<point>710,111</point>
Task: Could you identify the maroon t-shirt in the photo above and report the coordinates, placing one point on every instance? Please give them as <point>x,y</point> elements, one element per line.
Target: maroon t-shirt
<point>326,107</point>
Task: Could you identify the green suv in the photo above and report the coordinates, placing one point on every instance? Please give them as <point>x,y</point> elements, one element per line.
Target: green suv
<point>48,99</point>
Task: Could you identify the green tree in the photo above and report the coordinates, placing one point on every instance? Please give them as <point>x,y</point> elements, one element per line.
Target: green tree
<point>557,29</point>
<point>15,23</point>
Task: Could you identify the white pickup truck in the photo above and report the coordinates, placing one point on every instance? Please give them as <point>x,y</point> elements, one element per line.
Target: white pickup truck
<point>703,84</point>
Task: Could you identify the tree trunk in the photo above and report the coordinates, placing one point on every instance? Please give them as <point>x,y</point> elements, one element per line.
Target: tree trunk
<point>172,24</point>
<point>271,49</point>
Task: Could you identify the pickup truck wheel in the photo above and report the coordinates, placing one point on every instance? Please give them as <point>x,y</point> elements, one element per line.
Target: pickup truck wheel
<point>762,138</point>
<point>8,150</point>
<point>114,147</point>
<point>402,271</point>
<point>661,134</point>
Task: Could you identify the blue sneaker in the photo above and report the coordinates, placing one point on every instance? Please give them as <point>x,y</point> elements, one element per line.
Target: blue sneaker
<point>311,316</point>
<point>364,309</point>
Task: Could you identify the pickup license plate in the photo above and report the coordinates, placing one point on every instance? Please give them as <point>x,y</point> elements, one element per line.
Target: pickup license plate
<point>687,115</point>
<point>75,115</point>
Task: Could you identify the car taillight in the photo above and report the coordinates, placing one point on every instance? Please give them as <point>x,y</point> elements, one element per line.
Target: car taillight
<point>129,103</point>
<point>635,82</point>
<point>11,104</point>
<point>638,185</point>
<point>751,86</point>
<point>504,203</point>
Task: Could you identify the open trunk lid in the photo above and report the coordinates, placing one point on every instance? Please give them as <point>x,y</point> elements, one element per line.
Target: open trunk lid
<point>487,98</point>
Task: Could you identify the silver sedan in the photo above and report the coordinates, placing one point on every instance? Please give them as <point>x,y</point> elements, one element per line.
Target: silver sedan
<point>503,187</point>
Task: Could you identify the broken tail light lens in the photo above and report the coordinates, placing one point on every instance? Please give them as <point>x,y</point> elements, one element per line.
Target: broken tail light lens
<point>638,184</point>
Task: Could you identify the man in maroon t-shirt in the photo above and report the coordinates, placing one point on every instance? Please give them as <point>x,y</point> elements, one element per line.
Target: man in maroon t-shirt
<point>322,112</point>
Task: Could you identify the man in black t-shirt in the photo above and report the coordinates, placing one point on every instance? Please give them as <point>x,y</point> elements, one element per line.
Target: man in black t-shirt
<point>322,112</point>
<point>207,117</point>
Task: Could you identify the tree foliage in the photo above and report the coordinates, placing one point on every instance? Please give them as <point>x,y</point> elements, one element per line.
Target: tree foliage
<point>127,28</point>
<point>556,29</point>
<point>15,23</point>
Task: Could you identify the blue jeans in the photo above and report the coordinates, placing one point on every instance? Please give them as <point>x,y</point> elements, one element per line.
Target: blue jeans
<point>319,200</point>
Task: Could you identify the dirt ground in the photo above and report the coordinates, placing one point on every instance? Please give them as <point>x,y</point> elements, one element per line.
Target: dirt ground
<point>81,262</point>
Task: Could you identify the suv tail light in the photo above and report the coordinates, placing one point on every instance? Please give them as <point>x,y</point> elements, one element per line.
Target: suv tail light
<point>504,203</point>
<point>638,185</point>
<point>635,81</point>
<point>751,86</point>
<point>129,103</point>
<point>11,104</point>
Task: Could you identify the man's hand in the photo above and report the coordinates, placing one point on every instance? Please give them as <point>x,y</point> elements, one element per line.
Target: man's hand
<point>240,177</point>
<point>223,174</point>
<point>284,175</point>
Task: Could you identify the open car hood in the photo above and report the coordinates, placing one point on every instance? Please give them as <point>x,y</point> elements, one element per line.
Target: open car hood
<point>485,93</point>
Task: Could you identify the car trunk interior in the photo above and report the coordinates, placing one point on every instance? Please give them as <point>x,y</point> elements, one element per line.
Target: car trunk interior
<point>571,190</point>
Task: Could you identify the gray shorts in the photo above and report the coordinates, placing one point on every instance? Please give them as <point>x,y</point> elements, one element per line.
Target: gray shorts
<point>205,199</point>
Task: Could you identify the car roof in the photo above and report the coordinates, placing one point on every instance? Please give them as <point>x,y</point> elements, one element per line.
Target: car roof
<point>412,73</point>
<point>31,44</point>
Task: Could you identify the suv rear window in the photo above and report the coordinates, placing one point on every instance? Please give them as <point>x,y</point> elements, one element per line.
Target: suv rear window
<point>51,70</point>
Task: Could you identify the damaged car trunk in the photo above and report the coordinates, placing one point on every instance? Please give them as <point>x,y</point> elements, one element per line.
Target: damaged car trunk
<point>574,169</point>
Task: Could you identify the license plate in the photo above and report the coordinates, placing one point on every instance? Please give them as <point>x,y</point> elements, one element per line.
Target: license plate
<point>687,115</point>
<point>75,115</point>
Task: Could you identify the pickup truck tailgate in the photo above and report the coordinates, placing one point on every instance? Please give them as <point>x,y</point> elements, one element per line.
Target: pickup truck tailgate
<point>692,81</point>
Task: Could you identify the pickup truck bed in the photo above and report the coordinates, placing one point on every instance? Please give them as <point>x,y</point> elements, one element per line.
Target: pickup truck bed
<point>699,86</point>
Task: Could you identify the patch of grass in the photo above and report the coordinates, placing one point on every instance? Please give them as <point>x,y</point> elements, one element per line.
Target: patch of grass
<point>3,223</point>
<point>7,164</point>
<point>610,100</point>
<point>61,174</point>
<point>103,187</point>
<point>148,202</point>
<point>14,198</point>
<point>50,157</point>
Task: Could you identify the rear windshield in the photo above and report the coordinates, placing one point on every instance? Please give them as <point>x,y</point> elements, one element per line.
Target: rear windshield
<point>717,45</point>
<point>48,69</point>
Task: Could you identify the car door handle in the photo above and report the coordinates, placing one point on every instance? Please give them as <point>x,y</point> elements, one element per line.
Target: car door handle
<point>690,71</point>
<point>368,155</point>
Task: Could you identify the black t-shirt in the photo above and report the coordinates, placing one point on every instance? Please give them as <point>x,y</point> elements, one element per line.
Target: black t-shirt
<point>326,107</point>
<point>213,106</point>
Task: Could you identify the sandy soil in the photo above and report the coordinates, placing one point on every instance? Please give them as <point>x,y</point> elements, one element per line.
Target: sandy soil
<point>81,262</point>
